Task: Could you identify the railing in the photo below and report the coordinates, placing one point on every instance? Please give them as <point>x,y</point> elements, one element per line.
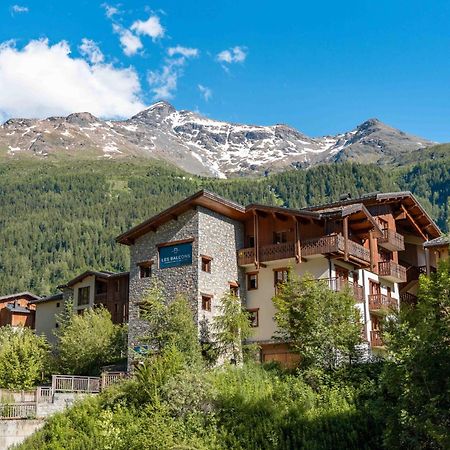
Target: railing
<point>318,246</point>
<point>44,394</point>
<point>18,411</point>
<point>381,301</point>
<point>109,378</point>
<point>392,240</point>
<point>408,298</point>
<point>375,339</point>
<point>322,245</point>
<point>392,270</point>
<point>246,256</point>
<point>338,284</point>
<point>277,251</point>
<point>73,383</point>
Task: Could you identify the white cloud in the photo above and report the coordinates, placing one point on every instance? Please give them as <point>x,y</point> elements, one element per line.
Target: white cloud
<point>17,9</point>
<point>131,43</point>
<point>110,11</point>
<point>151,27</point>
<point>40,80</point>
<point>205,91</point>
<point>164,83</point>
<point>233,55</point>
<point>182,51</point>
<point>89,49</point>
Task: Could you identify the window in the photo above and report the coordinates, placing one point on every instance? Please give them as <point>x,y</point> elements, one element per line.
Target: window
<point>145,270</point>
<point>206,302</point>
<point>56,325</point>
<point>279,237</point>
<point>83,295</point>
<point>57,304</point>
<point>234,288</point>
<point>253,315</point>
<point>100,287</point>
<point>280,276</point>
<point>206,264</point>
<point>252,281</point>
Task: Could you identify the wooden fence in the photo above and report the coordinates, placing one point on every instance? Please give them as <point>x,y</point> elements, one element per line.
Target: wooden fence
<point>75,383</point>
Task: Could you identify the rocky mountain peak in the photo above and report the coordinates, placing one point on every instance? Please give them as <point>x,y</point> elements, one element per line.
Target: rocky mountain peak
<point>81,119</point>
<point>154,113</point>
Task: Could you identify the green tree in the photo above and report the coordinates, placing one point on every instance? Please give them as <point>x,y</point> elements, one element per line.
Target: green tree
<point>89,341</point>
<point>323,326</point>
<point>416,378</point>
<point>231,328</point>
<point>170,323</point>
<point>24,358</point>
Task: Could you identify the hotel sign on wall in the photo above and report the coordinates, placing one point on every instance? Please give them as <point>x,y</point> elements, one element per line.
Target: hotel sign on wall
<point>175,255</point>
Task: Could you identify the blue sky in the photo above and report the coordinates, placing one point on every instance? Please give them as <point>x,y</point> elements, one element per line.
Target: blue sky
<point>322,67</point>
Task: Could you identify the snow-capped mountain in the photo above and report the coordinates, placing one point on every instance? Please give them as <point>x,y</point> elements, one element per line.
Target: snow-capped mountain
<point>198,144</point>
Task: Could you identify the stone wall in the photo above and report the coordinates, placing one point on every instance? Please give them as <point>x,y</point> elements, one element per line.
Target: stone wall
<point>214,235</point>
<point>219,238</point>
<point>176,280</point>
<point>13,432</point>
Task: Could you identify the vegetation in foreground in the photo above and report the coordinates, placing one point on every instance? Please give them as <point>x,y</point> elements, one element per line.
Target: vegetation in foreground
<point>176,401</point>
<point>60,218</point>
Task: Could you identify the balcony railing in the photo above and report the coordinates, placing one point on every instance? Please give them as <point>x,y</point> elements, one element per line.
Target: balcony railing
<point>392,240</point>
<point>339,284</point>
<point>381,301</point>
<point>408,298</point>
<point>375,339</point>
<point>392,271</point>
<point>319,246</point>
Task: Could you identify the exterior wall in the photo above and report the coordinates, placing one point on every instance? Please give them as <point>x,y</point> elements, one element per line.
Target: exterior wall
<point>176,280</point>
<point>219,237</point>
<point>16,319</point>
<point>46,318</point>
<point>88,281</point>
<point>261,298</point>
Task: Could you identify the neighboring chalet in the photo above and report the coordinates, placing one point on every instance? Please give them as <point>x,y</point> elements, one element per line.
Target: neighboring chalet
<point>93,288</point>
<point>438,249</point>
<point>206,245</point>
<point>47,310</point>
<point>17,309</point>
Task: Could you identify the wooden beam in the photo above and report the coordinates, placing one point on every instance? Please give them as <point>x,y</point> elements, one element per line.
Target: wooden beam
<point>413,223</point>
<point>256,234</point>
<point>345,231</point>
<point>298,247</point>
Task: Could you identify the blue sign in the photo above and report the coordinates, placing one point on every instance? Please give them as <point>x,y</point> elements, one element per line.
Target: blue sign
<point>175,255</point>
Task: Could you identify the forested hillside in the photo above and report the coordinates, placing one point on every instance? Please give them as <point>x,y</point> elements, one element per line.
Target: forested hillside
<point>60,218</point>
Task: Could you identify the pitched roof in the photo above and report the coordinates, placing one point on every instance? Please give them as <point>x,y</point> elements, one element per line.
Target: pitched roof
<point>13,307</point>
<point>19,295</point>
<point>441,241</point>
<point>410,202</point>
<point>50,298</point>
<point>202,198</point>
<point>99,274</point>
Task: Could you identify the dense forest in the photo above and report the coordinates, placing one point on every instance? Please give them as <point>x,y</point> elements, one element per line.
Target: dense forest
<point>59,218</point>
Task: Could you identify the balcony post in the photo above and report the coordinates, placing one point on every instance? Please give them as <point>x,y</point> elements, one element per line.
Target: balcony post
<point>298,248</point>
<point>256,233</point>
<point>345,231</point>
<point>373,250</point>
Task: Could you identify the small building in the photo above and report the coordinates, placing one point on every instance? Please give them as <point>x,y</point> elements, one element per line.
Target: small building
<point>100,288</point>
<point>17,309</point>
<point>437,250</point>
<point>46,316</point>
<point>206,245</point>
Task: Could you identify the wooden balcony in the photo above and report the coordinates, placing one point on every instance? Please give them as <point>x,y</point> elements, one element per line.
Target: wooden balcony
<point>379,302</point>
<point>391,240</point>
<point>339,284</point>
<point>392,271</point>
<point>375,339</point>
<point>325,245</point>
<point>408,299</point>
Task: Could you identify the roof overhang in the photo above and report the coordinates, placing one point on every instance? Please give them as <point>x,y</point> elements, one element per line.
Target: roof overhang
<point>19,295</point>
<point>203,198</point>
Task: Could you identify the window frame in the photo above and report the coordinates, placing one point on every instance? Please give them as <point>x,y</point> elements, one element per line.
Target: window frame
<point>79,296</point>
<point>144,266</point>
<point>248,275</point>
<point>254,311</point>
<point>205,262</point>
<point>206,302</point>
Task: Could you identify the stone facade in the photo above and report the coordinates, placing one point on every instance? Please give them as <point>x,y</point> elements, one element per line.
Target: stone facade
<point>213,235</point>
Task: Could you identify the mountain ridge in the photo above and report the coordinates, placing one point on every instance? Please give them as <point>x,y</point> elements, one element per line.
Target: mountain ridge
<point>200,145</point>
